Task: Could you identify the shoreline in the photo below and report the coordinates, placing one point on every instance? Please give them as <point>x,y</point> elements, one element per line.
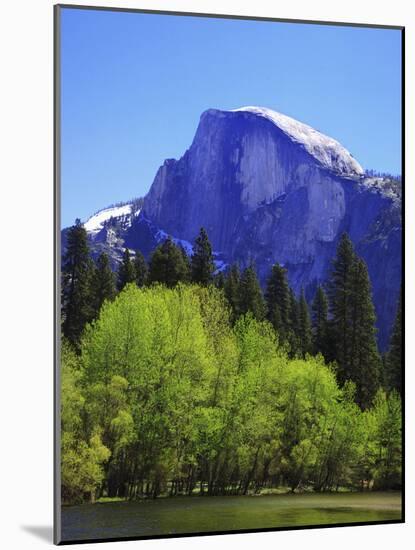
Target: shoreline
<point>205,497</point>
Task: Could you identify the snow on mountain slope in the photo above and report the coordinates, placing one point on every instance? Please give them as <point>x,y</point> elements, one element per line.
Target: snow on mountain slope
<point>161,236</point>
<point>95,223</point>
<point>329,152</point>
<point>113,238</point>
<point>220,265</point>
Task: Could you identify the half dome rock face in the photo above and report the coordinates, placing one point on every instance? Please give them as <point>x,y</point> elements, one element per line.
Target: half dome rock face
<point>244,159</point>
<point>271,189</point>
<point>326,150</point>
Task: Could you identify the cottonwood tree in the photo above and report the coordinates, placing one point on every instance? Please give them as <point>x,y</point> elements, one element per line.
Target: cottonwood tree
<point>169,396</point>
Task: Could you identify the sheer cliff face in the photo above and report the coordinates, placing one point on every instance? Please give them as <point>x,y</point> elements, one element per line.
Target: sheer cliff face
<point>239,162</point>
<point>271,189</point>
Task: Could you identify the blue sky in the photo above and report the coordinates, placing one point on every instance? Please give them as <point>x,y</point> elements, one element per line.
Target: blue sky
<point>134,87</point>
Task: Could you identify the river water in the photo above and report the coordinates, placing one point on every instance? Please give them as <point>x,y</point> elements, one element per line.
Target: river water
<point>180,515</point>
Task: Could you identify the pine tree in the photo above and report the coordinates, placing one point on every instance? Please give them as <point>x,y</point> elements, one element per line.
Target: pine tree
<point>277,297</point>
<point>339,292</point>
<point>202,264</point>
<point>103,283</point>
<point>186,263</point>
<point>167,264</point>
<point>304,326</point>
<point>140,268</point>
<point>231,288</point>
<point>394,361</point>
<point>364,366</point>
<point>250,294</point>
<point>319,313</point>
<point>77,299</point>
<point>274,317</point>
<point>352,324</point>
<point>293,336</point>
<point>219,280</point>
<point>126,271</point>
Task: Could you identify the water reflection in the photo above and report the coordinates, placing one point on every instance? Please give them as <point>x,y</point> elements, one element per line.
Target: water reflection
<point>195,514</point>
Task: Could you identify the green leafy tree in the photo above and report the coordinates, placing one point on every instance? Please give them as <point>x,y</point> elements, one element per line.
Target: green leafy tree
<point>107,406</point>
<point>154,340</point>
<point>140,268</point>
<point>103,282</point>
<point>340,442</point>
<point>77,298</point>
<point>81,468</point>
<point>202,264</point>
<point>82,457</point>
<point>383,453</point>
<point>309,392</point>
<point>250,294</point>
<point>126,271</point>
<point>170,396</point>
<point>394,361</point>
<point>167,264</point>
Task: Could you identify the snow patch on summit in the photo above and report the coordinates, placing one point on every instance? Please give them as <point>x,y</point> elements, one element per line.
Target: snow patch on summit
<point>329,152</point>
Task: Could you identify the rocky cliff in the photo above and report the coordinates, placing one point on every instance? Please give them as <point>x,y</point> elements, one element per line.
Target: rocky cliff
<point>240,161</point>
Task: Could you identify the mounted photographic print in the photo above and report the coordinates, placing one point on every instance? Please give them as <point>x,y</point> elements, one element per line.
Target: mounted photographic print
<point>229,283</point>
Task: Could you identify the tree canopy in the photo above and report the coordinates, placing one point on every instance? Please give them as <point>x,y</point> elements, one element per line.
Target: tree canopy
<point>174,387</point>
<point>169,396</point>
